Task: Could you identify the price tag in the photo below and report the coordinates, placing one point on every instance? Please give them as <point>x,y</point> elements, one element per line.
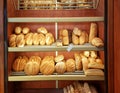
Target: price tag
<point>70,47</point>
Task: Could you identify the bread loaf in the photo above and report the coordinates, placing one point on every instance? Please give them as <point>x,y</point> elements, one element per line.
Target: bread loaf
<point>20,41</point>
<point>65,40</point>
<point>19,64</point>
<point>47,66</point>
<point>96,72</point>
<point>78,61</point>
<point>25,30</point>
<point>82,38</point>
<point>32,68</point>
<point>60,67</point>
<point>70,65</point>
<point>18,30</point>
<point>86,53</point>
<point>42,30</point>
<point>35,39</point>
<point>85,63</point>
<point>97,42</point>
<point>75,39</point>
<point>42,39</point>
<point>12,40</point>
<point>35,59</point>
<point>93,54</point>
<point>59,58</point>
<point>49,39</point>
<point>29,39</point>
<point>93,31</point>
<point>77,31</point>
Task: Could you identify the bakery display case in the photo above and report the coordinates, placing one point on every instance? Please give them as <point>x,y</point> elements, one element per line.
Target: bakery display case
<point>56,46</point>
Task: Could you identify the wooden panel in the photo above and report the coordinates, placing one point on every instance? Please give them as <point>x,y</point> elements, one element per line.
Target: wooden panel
<point>1,49</point>
<point>116,46</point>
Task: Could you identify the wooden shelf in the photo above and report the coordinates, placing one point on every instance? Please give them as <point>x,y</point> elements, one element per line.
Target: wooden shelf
<point>55,19</point>
<point>54,77</point>
<point>53,47</point>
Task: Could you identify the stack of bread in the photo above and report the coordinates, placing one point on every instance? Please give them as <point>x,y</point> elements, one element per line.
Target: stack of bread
<point>78,87</point>
<point>92,64</point>
<point>24,37</point>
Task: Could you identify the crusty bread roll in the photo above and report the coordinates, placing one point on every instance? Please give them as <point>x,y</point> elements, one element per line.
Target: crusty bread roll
<point>96,72</point>
<point>47,66</point>
<point>77,31</point>
<point>42,39</point>
<point>59,58</point>
<point>93,54</point>
<point>12,40</point>
<point>86,53</point>
<point>78,61</point>
<point>70,65</point>
<point>32,68</point>
<point>19,64</point>
<point>20,41</point>
<point>49,38</point>
<point>98,42</point>
<point>18,30</point>
<point>64,32</point>
<point>65,40</point>
<point>25,30</point>
<point>82,38</point>
<point>35,39</point>
<point>42,30</point>
<point>93,31</point>
<point>29,39</point>
<point>75,39</point>
<point>96,65</point>
<point>60,67</point>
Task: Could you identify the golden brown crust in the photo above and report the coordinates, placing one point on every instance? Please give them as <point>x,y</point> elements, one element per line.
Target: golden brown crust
<point>31,68</point>
<point>82,38</point>
<point>35,59</point>
<point>42,30</point>
<point>60,67</point>
<point>59,58</point>
<point>97,42</point>
<point>93,54</point>
<point>85,63</point>
<point>41,39</point>
<point>12,40</point>
<point>93,32</point>
<point>65,40</point>
<point>29,39</point>
<point>78,61</point>
<point>18,30</point>
<point>77,31</point>
<point>70,64</point>
<point>25,30</point>
<point>35,39</point>
<point>49,39</point>
<point>75,39</point>
<point>20,41</point>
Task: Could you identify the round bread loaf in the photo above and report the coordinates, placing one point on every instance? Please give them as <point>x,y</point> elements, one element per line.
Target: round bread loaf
<point>70,65</point>
<point>60,67</point>
<point>42,30</point>
<point>59,58</point>
<point>25,30</point>
<point>18,30</point>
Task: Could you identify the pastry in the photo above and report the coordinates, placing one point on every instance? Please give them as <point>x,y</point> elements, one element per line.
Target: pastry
<point>35,59</point>
<point>12,40</point>
<point>75,39</point>
<point>18,30</point>
<point>41,39</point>
<point>82,38</point>
<point>97,42</point>
<point>20,41</point>
<point>42,30</point>
<point>78,61</point>
<point>25,30</point>
<point>77,31</point>
<point>31,68</point>
<point>49,39</point>
<point>70,65</point>
<point>19,64</point>
<point>59,58</point>
<point>35,39</point>
<point>93,31</point>
<point>60,67</point>
<point>96,72</point>
<point>29,39</point>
